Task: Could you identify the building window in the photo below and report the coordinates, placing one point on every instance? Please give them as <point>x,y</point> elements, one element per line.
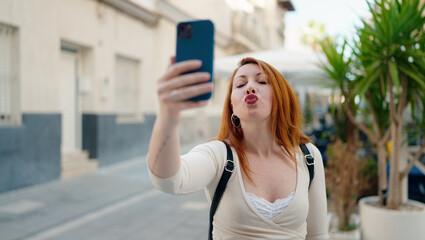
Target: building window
<point>9,113</point>
<point>127,89</point>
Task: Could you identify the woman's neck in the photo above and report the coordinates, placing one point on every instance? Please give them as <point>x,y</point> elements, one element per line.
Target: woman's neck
<point>258,139</point>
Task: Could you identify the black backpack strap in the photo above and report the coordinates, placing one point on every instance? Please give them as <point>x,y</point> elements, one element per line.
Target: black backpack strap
<point>309,160</point>
<point>227,172</point>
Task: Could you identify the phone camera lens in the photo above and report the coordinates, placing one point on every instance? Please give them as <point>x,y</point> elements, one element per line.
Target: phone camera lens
<point>185,31</point>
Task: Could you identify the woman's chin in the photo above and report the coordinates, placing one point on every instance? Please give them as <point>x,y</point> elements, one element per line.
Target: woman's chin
<point>254,116</point>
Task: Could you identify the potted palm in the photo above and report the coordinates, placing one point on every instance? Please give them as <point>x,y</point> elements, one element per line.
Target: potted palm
<point>345,176</point>
<point>389,62</point>
<point>389,49</point>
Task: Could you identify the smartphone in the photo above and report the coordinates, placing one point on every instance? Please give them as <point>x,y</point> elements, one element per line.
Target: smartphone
<point>195,40</point>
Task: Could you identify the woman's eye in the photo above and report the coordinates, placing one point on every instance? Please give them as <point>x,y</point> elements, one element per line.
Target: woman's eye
<point>240,85</point>
<point>262,82</point>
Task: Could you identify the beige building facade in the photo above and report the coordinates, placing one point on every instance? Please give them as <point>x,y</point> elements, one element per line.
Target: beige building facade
<point>78,77</point>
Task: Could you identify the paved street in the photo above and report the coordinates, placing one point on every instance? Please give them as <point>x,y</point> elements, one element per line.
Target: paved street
<point>116,202</point>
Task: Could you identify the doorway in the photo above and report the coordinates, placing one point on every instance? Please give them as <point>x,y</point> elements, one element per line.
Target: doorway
<point>69,101</point>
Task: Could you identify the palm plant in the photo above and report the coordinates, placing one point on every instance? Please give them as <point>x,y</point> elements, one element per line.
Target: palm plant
<point>345,169</point>
<point>390,50</point>
<point>339,69</point>
<point>389,63</point>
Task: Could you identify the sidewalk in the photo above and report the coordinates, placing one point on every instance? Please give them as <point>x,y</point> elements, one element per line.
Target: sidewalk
<point>116,202</point>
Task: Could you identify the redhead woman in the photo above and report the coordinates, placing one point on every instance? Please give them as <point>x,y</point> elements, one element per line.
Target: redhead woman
<point>269,194</point>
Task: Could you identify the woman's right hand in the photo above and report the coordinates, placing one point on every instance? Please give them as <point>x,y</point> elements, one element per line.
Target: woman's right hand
<point>175,88</point>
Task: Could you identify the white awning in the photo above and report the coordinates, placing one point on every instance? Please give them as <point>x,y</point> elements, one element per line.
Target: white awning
<point>300,68</point>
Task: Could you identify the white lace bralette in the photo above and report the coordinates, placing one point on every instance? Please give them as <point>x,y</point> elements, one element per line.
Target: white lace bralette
<point>267,209</point>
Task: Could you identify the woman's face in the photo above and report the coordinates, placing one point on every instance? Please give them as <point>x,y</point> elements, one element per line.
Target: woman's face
<point>251,97</point>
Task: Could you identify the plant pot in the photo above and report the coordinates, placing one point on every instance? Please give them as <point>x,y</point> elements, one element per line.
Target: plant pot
<point>378,223</point>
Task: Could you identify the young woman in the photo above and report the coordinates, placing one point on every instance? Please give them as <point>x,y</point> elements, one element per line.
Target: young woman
<point>268,195</point>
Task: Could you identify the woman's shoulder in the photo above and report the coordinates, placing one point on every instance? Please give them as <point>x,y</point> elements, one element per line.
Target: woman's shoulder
<point>215,147</point>
<point>212,144</point>
<point>311,146</point>
<point>314,151</point>
<point>214,150</point>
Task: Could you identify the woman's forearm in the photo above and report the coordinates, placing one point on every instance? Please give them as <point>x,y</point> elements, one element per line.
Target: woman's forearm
<point>164,147</point>
<point>174,89</point>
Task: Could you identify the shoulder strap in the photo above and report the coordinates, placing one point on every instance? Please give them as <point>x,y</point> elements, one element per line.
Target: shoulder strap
<point>309,160</point>
<point>227,172</point>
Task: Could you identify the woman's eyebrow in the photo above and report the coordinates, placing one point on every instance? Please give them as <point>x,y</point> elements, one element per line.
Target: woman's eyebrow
<point>240,76</point>
<point>260,75</point>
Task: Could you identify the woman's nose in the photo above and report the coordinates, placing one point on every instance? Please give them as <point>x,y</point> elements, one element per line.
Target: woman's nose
<point>251,90</point>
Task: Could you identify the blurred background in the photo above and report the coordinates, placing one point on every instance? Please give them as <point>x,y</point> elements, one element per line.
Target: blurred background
<point>78,98</point>
<point>78,77</point>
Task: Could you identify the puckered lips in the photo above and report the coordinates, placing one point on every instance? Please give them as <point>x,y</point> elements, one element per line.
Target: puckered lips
<point>251,99</point>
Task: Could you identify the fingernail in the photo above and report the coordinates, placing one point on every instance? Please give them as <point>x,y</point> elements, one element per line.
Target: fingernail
<point>206,76</point>
<point>196,61</point>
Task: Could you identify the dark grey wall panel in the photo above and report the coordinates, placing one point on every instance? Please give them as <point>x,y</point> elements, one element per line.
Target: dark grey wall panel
<point>30,153</point>
<point>90,126</point>
<point>115,142</point>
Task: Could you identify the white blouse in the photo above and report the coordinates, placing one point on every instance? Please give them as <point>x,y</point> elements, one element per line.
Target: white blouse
<point>236,217</point>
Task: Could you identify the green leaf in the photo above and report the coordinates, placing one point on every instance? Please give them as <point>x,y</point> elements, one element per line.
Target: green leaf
<point>371,75</point>
<point>394,74</point>
<point>420,80</point>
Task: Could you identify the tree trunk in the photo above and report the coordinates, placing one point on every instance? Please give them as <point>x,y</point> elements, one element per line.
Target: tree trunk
<point>352,143</point>
<point>404,152</point>
<point>394,197</point>
<point>382,170</point>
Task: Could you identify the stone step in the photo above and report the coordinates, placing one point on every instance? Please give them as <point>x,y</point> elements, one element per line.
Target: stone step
<point>78,169</point>
<point>74,156</point>
<point>77,164</point>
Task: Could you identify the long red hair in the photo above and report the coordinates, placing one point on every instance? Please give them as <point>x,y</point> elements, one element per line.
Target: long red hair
<point>286,117</point>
